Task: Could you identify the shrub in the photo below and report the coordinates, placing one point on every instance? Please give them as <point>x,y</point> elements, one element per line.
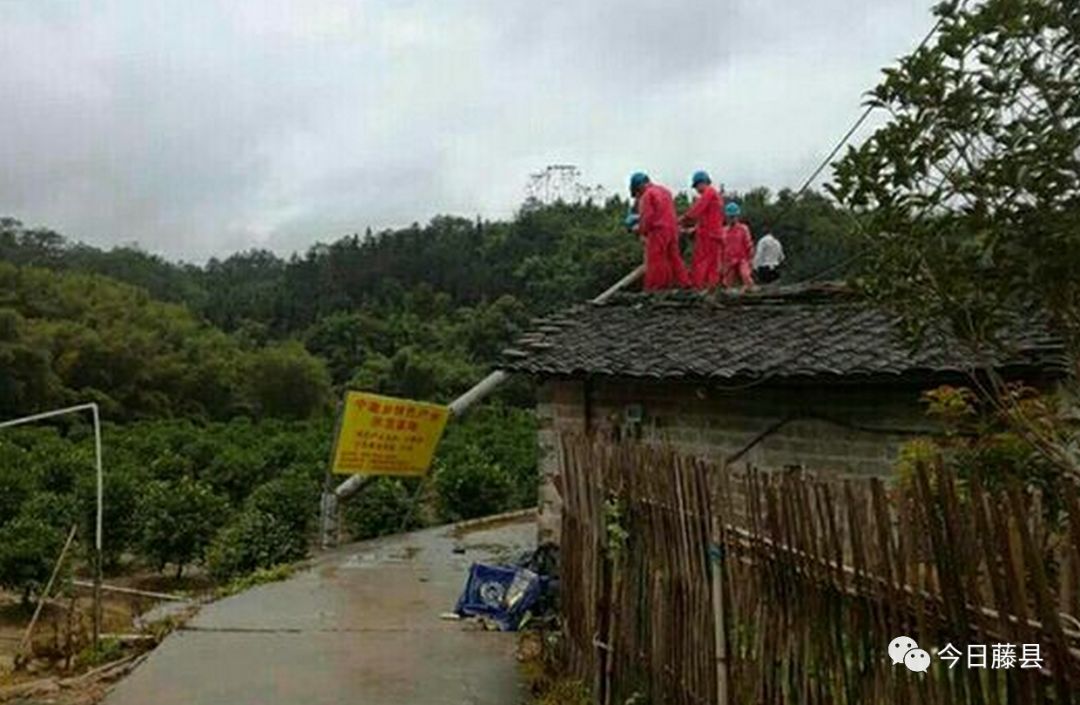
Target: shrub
<point>979,442</point>
<point>177,521</point>
<point>507,438</point>
<point>124,484</point>
<point>253,540</point>
<point>54,510</point>
<point>17,480</point>
<point>273,528</point>
<point>291,499</point>
<point>383,507</point>
<point>28,549</point>
<point>234,471</point>
<point>61,464</point>
<point>288,382</point>
<point>469,485</point>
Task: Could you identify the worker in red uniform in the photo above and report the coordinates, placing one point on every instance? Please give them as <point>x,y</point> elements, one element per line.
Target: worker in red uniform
<point>658,227</point>
<point>738,250</point>
<point>707,215</point>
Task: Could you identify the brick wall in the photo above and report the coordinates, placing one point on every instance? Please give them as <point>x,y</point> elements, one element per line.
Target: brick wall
<point>713,423</point>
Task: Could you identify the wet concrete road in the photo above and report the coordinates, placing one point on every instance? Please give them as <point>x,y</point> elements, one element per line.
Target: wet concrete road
<point>361,627</point>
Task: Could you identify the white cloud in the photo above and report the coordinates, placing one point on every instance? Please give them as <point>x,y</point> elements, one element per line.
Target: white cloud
<point>197,130</point>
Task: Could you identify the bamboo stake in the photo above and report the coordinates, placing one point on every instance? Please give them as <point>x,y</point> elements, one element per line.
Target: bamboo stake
<point>133,591</point>
<point>43,598</point>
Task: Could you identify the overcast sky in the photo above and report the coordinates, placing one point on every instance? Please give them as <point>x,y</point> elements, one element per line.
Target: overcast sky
<point>202,127</point>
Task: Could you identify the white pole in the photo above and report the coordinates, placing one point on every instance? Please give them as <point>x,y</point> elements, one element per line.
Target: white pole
<point>482,388</point>
<point>621,284</point>
<point>46,415</point>
<point>100,477</point>
<point>460,405</point>
<point>98,532</point>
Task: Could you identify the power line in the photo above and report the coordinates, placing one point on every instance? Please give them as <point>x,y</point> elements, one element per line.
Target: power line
<point>858,123</point>
<point>806,185</point>
<point>835,150</point>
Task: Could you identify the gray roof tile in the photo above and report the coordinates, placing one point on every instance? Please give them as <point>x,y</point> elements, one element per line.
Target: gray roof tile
<point>787,332</point>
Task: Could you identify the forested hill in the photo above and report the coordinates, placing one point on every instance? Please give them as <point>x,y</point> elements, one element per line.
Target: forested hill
<point>419,311</point>
<point>69,337</point>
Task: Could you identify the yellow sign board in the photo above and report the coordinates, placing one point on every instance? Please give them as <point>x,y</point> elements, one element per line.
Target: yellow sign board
<point>386,436</point>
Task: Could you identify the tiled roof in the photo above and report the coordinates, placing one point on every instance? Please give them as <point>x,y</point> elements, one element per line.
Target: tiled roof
<point>792,332</point>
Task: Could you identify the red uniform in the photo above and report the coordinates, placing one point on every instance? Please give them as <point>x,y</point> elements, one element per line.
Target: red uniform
<point>738,253</point>
<point>708,213</point>
<point>659,227</point>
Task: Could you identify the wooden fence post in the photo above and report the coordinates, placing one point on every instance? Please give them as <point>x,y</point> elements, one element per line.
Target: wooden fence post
<point>718,556</point>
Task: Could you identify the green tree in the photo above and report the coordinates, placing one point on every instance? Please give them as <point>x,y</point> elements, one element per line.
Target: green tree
<point>436,375</point>
<point>252,540</point>
<point>291,498</point>
<point>177,521</point>
<point>386,506</point>
<point>18,481</point>
<point>123,485</point>
<point>504,437</point>
<point>289,382</point>
<point>273,527</point>
<point>57,511</point>
<point>470,485</point>
<point>26,379</point>
<point>28,548</point>
<point>970,195</point>
<point>344,340</point>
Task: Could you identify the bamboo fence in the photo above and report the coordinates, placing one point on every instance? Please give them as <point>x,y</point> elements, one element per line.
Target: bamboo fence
<point>684,582</point>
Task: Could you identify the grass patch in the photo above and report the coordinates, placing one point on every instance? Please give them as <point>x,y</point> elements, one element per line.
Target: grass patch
<point>565,691</point>
<point>107,651</point>
<point>259,577</point>
<point>541,671</point>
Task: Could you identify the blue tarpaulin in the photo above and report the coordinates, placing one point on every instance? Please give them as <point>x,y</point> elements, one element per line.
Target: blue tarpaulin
<point>501,594</point>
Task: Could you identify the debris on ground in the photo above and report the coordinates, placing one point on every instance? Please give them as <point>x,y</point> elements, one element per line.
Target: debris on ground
<point>85,688</point>
<point>500,594</point>
<point>508,597</point>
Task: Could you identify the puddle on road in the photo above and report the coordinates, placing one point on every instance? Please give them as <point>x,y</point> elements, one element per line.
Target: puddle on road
<point>495,552</point>
<point>382,556</point>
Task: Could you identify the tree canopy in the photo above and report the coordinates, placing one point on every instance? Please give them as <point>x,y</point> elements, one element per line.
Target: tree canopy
<point>968,198</point>
<point>68,337</point>
<point>420,311</point>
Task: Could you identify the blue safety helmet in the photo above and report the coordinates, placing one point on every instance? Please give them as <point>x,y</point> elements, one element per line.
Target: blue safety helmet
<point>637,180</point>
<point>699,177</point>
<point>732,210</point>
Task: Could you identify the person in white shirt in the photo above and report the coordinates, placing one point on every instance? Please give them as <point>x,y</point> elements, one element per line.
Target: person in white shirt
<point>768,256</point>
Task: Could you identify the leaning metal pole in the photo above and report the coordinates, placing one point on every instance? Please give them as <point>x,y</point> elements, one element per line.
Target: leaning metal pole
<point>459,406</point>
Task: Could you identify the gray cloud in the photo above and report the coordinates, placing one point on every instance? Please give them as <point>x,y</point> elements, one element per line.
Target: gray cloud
<point>199,128</point>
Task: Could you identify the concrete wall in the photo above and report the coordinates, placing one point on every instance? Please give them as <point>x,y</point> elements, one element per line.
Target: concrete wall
<point>713,423</point>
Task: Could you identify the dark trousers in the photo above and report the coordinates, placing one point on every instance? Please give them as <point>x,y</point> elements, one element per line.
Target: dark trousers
<point>767,275</point>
